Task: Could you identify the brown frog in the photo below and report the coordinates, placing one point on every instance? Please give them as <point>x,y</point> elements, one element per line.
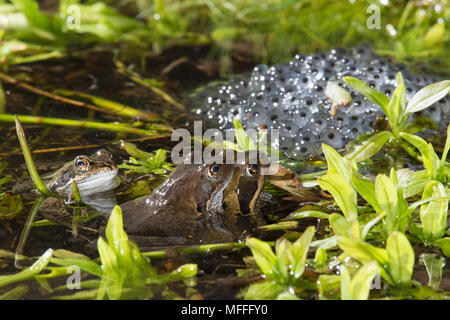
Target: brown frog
<point>196,204</point>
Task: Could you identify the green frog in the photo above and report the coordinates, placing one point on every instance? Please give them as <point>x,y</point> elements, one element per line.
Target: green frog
<point>197,204</point>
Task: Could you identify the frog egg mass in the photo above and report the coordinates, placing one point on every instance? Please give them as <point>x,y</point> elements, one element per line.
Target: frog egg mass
<point>292,97</point>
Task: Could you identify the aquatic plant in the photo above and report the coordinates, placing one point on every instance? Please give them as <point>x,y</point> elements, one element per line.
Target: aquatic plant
<point>122,272</point>
<point>282,269</point>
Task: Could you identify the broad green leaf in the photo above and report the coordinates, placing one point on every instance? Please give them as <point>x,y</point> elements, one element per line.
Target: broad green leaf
<point>387,198</point>
<point>282,247</point>
<point>117,238</point>
<point>397,104</point>
<point>335,162</point>
<point>373,95</point>
<point>346,283</point>
<point>401,258</point>
<point>429,157</point>
<point>107,257</point>
<point>362,281</point>
<point>326,243</point>
<point>433,214</point>
<point>321,257</point>
<point>370,147</point>
<point>342,192</point>
<point>363,252</point>
<point>444,244</point>
<point>264,257</point>
<point>267,290</point>
<point>367,190</point>
<point>328,285</point>
<point>299,251</point>
<point>427,96</point>
<point>340,225</point>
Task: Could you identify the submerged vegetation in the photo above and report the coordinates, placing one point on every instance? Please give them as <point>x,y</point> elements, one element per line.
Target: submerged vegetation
<point>373,234</point>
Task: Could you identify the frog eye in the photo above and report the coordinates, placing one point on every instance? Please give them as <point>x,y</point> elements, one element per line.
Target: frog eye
<point>214,170</point>
<point>253,169</point>
<point>80,163</point>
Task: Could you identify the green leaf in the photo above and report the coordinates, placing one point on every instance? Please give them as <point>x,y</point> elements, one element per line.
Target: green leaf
<point>369,147</point>
<point>444,244</point>
<point>342,192</point>
<point>340,225</point>
<point>244,141</point>
<point>429,157</point>
<point>282,246</point>
<point>117,238</point>
<point>387,198</point>
<point>346,283</point>
<point>401,258</point>
<point>321,258</point>
<point>328,285</point>
<point>427,96</point>
<point>307,214</point>
<point>335,162</point>
<point>433,264</point>
<point>264,257</point>
<point>362,281</point>
<point>397,105</point>
<point>363,252</point>
<point>267,290</point>
<point>367,190</point>
<point>299,251</point>
<point>373,95</point>
<point>433,214</point>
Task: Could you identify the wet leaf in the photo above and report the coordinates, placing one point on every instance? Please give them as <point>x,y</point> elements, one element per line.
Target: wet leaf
<point>429,157</point>
<point>340,225</point>
<point>435,34</point>
<point>299,251</point>
<point>401,258</point>
<point>266,290</point>
<point>358,288</point>
<point>336,163</point>
<point>387,198</point>
<point>444,244</point>
<point>264,257</point>
<point>433,214</point>
<point>373,95</point>
<point>342,192</point>
<point>370,147</point>
<point>427,96</point>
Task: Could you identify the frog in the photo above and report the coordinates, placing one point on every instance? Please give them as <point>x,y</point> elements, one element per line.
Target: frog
<point>95,175</point>
<point>198,203</point>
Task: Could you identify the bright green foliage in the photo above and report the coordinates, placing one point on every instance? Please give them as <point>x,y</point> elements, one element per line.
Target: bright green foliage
<point>144,162</point>
<point>358,287</point>
<point>396,262</point>
<point>283,268</point>
<point>397,112</point>
<point>433,214</point>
